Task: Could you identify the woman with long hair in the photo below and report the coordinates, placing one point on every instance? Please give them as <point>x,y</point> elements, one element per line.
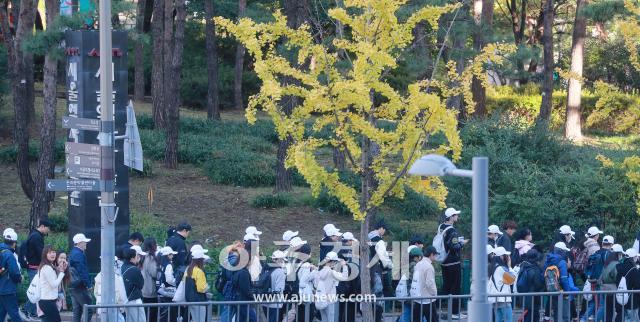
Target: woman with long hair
<point>195,287</point>
<point>51,277</point>
<point>61,259</point>
<point>149,273</point>
<point>167,285</point>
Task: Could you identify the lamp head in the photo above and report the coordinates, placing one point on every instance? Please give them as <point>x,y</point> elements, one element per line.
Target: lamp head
<point>431,165</point>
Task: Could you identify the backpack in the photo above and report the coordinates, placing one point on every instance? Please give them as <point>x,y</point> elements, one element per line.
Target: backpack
<point>609,273</point>
<point>263,284</point>
<point>292,287</point>
<point>438,243</point>
<point>33,292</point>
<point>75,281</point>
<point>522,284</point>
<point>552,278</point>
<point>622,297</point>
<point>221,279</point>
<point>582,258</point>
<point>22,253</point>
<point>595,265</point>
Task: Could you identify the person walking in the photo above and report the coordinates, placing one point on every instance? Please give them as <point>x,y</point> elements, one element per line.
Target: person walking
<point>502,277</point>
<point>380,271</point>
<point>167,285</point>
<point>629,270</point>
<point>10,278</point>
<point>591,244</point>
<point>133,283</point>
<point>330,241</point>
<point>351,287</point>
<point>531,280</point>
<point>50,278</point>
<point>556,261</point>
<point>80,283</point>
<point>242,285</point>
<point>325,284</point>
<point>274,312</point>
<point>415,256</point>
<point>121,293</point>
<point>523,245</point>
<point>150,264</point>
<point>607,282</point>
<point>423,285</point>
<point>597,263</point>
<point>196,287</point>
<point>33,257</point>
<point>62,259</point>
<point>451,266</point>
<point>135,239</point>
<point>493,233</point>
<point>178,243</point>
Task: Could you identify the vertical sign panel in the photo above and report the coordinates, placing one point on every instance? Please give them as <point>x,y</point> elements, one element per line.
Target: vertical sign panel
<point>83,95</point>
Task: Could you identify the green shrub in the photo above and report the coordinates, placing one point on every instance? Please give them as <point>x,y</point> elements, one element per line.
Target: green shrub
<point>145,121</point>
<point>147,169</point>
<point>615,112</point>
<point>59,221</point>
<point>149,226</point>
<point>241,167</point>
<point>8,154</point>
<point>271,201</point>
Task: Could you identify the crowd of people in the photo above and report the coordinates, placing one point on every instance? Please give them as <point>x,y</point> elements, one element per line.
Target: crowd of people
<point>326,289</point>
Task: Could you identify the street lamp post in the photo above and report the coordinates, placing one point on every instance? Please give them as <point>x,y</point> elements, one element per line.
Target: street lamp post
<point>437,165</point>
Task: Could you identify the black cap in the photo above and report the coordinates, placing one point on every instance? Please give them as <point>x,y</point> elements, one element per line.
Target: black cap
<point>183,226</point>
<point>381,224</point>
<point>46,223</point>
<point>428,251</point>
<point>415,239</point>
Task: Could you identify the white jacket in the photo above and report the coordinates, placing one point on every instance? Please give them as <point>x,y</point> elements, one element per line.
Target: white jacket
<point>326,282</point>
<point>496,285</point>
<point>278,279</point>
<point>306,277</point>
<point>423,283</point>
<point>121,294</point>
<point>49,283</point>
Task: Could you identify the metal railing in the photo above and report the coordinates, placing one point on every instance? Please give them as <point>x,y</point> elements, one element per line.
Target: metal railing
<point>525,307</point>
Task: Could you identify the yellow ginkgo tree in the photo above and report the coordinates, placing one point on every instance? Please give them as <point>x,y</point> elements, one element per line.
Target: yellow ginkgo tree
<point>630,29</point>
<point>380,129</point>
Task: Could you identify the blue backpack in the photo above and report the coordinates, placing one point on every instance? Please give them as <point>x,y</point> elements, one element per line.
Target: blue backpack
<point>595,264</point>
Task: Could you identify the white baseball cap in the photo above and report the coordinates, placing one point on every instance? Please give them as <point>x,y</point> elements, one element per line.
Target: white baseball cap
<point>500,251</point>
<point>252,230</point>
<point>617,248</point>
<point>79,238</point>
<point>329,228</point>
<point>278,254</point>
<point>561,245</point>
<point>333,232</point>
<point>565,230</point>
<point>493,229</point>
<point>631,252</point>
<point>289,234</point>
<point>410,248</point>
<point>10,234</point>
<point>450,212</point>
<point>490,249</point>
<point>331,256</point>
<point>296,242</point>
<point>348,236</point>
<point>198,254</point>
<point>138,250</point>
<point>608,239</point>
<point>593,231</point>
<point>250,237</point>
<point>164,251</point>
<point>198,248</point>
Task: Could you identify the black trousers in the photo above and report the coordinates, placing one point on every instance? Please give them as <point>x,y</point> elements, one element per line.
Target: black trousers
<point>80,297</point>
<point>151,312</point>
<point>168,313</point>
<point>347,311</point>
<point>302,309</point>
<point>50,310</point>
<point>452,284</point>
<point>428,311</point>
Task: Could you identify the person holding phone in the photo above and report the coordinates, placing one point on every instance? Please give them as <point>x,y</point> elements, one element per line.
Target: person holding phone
<point>51,276</point>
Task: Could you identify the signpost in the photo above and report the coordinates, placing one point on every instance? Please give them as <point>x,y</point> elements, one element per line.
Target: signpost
<point>82,160</point>
<point>82,148</point>
<point>76,171</point>
<point>80,123</point>
<point>73,185</point>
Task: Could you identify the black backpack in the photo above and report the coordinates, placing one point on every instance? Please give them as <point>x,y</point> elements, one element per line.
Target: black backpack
<point>263,284</point>
<point>22,253</point>
<point>292,287</point>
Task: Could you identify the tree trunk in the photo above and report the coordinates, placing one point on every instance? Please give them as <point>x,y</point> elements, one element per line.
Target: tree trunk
<point>175,67</point>
<point>477,90</point>
<point>21,75</point>
<point>339,159</point>
<point>157,74</point>
<point>213,104</point>
<point>572,129</point>
<point>138,87</point>
<point>547,82</point>
<point>240,51</point>
<point>365,274</point>
<point>46,162</point>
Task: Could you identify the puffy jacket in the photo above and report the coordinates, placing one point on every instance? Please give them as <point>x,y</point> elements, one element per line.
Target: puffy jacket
<point>133,281</point>
<point>78,260</point>
<point>558,260</point>
<point>592,246</point>
<point>306,278</point>
<point>242,284</point>
<point>452,245</point>
<point>10,277</point>
<point>179,245</point>
<point>497,285</point>
<point>423,282</point>
<point>532,276</point>
<point>523,246</point>
<point>505,241</point>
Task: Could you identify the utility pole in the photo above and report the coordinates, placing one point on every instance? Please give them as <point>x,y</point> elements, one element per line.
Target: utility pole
<point>107,164</point>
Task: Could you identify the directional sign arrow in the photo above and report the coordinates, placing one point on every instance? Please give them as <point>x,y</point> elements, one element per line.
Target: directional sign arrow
<point>81,123</point>
<point>73,185</point>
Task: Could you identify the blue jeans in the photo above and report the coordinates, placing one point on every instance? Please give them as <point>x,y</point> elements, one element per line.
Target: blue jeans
<point>9,305</point>
<point>246,313</point>
<point>29,307</point>
<point>504,312</point>
<point>227,312</point>
<point>406,312</point>
<point>591,310</point>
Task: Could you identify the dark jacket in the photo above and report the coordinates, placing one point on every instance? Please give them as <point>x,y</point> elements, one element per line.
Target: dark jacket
<point>10,277</point>
<point>242,284</point>
<point>559,261</point>
<point>633,281</point>
<point>121,249</point>
<point>35,245</point>
<point>491,242</point>
<point>532,275</point>
<point>179,245</point>
<point>452,245</point>
<point>133,281</point>
<point>78,261</point>
<point>326,245</point>
<point>505,241</point>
